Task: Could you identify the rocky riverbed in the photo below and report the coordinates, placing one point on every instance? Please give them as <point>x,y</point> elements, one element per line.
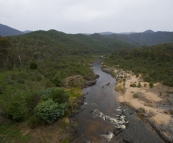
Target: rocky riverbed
<point>103,119</point>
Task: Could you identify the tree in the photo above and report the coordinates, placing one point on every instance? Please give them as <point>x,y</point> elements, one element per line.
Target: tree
<point>33,65</point>
<point>16,110</point>
<point>58,79</point>
<point>59,95</point>
<point>4,45</point>
<point>49,111</point>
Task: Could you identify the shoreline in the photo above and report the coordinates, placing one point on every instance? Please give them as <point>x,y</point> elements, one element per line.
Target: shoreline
<point>150,103</point>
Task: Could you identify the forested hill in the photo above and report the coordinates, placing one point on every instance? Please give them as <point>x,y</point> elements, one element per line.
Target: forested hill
<point>60,42</point>
<point>145,38</point>
<point>155,63</point>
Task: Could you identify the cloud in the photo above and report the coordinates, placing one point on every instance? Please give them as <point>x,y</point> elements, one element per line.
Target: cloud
<point>87,16</point>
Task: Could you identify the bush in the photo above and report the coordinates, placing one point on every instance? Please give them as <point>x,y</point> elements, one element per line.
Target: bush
<point>49,111</point>
<point>33,65</point>
<point>151,84</point>
<point>16,110</point>
<point>33,122</point>
<point>118,87</point>
<point>127,57</point>
<point>58,79</point>
<point>133,85</point>
<point>59,95</point>
<point>135,95</point>
<point>139,84</point>
<point>145,85</point>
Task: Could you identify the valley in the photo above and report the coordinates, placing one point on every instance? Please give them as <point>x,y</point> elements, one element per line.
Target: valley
<point>57,87</point>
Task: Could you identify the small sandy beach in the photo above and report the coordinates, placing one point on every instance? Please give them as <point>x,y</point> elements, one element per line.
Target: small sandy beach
<point>153,103</point>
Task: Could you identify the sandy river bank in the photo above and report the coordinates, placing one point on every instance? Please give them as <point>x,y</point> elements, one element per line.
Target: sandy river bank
<point>154,104</point>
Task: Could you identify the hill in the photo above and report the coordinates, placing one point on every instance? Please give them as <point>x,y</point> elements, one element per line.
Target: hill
<point>154,63</point>
<point>8,31</point>
<point>148,31</point>
<point>146,38</point>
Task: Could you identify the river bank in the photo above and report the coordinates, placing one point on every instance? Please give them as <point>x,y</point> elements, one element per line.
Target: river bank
<point>152,104</point>
<point>102,118</point>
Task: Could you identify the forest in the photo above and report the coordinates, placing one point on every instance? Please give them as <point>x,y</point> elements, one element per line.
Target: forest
<point>36,76</point>
<point>42,74</point>
<point>155,63</point>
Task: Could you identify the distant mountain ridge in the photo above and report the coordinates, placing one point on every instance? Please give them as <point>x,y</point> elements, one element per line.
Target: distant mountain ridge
<point>148,37</point>
<point>8,31</point>
<point>148,31</point>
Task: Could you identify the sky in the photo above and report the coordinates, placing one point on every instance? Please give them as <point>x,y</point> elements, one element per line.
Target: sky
<point>88,16</point>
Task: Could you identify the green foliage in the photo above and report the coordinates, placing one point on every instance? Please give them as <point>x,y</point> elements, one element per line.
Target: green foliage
<point>49,111</point>
<point>33,65</point>
<point>56,94</point>
<point>133,85</point>
<point>33,122</point>
<point>16,110</point>
<point>64,141</point>
<point>151,84</point>
<point>59,95</point>
<point>153,63</point>
<point>139,85</point>
<point>145,85</point>
<point>12,133</point>
<point>127,57</point>
<point>58,79</point>
<point>135,95</point>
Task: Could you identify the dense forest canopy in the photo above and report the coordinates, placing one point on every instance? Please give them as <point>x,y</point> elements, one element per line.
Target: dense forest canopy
<point>155,63</point>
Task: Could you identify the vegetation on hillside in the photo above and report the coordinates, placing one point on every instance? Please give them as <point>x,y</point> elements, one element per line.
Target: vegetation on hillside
<point>42,73</point>
<point>155,63</point>
<point>145,38</point>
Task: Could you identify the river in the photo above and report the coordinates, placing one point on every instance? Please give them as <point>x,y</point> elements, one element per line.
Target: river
<point>102,119</point>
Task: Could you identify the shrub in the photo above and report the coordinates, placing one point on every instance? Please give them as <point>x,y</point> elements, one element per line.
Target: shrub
<point>58,79</point>
<point>151,84</point>
<point>16,110</point>
<point>49,111</point>
<point>127,57</point>
<point>33,122</point>
<point>59,95</point>
<point>135,95</point>
<point>139,84</point>
<point>118,87</point>
<point>145,85</point>
<point>148,79</point>
<point>33,65</point>
<point>133,85</point>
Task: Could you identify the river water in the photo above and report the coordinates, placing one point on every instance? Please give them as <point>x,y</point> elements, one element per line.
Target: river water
<point>102,119</point>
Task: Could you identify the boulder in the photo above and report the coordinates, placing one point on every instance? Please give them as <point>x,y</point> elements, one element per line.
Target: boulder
<point>127,140</point>
<point>90,83</point>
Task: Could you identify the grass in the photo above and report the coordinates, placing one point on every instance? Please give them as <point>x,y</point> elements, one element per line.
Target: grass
<point>64,141</point>
<point>11,133</point>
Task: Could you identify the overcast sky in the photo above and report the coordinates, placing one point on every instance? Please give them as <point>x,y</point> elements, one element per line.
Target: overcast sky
<point>88,16</point>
